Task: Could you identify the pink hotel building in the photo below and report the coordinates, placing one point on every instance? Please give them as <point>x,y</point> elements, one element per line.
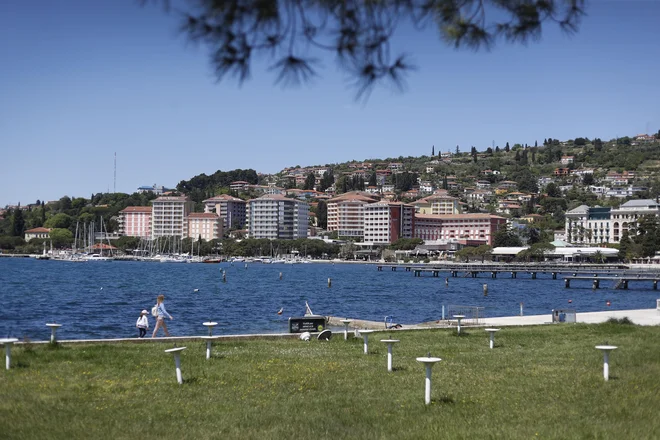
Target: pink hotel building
<point>135,221</point>
<point>481,227</point>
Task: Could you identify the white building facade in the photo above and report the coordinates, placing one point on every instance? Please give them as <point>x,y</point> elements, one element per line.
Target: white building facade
<point>274,216</point>
<point>169,216</point>
<point>385,222</point>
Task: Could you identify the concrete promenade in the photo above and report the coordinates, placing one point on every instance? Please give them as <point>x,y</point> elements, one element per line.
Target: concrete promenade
<point>639,317</point>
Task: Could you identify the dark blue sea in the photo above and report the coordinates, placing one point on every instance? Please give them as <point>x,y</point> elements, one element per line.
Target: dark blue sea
<point>104,299</point>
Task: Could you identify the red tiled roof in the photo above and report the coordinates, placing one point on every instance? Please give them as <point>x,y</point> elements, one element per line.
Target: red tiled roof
<point>137,209</point>
<point>37,230</point>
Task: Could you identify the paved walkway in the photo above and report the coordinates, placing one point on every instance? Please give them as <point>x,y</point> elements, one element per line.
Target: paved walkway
<point>640,317</point>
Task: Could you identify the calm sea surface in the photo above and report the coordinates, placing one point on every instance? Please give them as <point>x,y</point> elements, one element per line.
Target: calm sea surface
<point>104,299</point>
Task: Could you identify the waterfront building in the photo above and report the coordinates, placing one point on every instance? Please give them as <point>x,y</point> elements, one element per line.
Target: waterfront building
<point>345,213</point>
<point>230,209</point>
<point>135,221</point>
<point>168,216</point>
<point>274,216</point>
<point>437,204</point>
<point>474,227</point>
<point>585,225</point>
<point>206,225</point>
<point>37,233</point>
<point>625,217</point>
<point>386,222</point>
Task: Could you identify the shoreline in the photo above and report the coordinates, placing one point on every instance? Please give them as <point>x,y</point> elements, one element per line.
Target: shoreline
<point>642,317</point>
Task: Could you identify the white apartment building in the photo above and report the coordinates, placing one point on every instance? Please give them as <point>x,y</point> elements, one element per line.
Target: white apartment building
<point>232,210</point>
<point>274,216</point>
<point>346,213</point>
<point>206,225</point>
<point>585,225</point>
<point>385,222</point>
<point>169,215</point>
<point>135,221</point>
<point>625,216</point>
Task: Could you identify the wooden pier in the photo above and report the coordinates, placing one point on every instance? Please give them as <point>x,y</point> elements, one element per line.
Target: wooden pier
<point>621,282</point>
<point>622,274</point>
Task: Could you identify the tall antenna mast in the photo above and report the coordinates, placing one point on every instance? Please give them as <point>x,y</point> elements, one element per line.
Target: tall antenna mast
<point>114,188</point>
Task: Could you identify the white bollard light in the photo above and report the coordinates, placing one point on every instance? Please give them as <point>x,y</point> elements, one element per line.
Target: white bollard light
<point>346,322</point>
<point>210,325</point>
<point>458,318</point>
<point>177,362</point>
<point>53,329</point>
<point>7,343</point>
<point>606,359</point>
<point>209,341</point>
<point>492,336</point>
<point>428,363</point>
<point>365,334</point>
<point>390,343</point>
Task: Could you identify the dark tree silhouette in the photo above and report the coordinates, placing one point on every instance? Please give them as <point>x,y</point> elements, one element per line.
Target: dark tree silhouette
<point>359,33</point>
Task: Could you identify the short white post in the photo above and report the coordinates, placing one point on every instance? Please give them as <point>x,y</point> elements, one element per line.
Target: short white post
<point>177,362</point>
<point>428,363</point>
<point>390,343</point>
<point>458,318</point>
<point>53,329</point>
<point>209,341</point>
<point>365,335</point>
<point>210,326</point>
<point>606,359</point>
<point>7,343</point>
<point>346,322</point>
<point>492,336</point>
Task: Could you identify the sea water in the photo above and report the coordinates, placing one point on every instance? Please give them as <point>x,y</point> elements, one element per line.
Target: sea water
<point>104,299</point>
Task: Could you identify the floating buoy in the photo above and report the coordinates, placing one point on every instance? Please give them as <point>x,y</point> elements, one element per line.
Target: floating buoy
<point>608,303</point>
<point>101,288</point>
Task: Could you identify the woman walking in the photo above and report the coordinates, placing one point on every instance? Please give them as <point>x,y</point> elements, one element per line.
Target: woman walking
<point>161,313</point>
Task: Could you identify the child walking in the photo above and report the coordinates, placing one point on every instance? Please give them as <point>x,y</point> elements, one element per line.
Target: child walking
<point>143,323</point>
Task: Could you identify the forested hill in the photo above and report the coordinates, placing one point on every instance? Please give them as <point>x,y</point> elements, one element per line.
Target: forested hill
<point>203,186</point>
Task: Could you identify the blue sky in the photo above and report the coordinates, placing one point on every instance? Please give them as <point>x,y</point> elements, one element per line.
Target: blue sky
<point>82,80</point>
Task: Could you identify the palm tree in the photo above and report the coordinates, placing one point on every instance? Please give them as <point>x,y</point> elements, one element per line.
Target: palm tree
<point>599,257</point>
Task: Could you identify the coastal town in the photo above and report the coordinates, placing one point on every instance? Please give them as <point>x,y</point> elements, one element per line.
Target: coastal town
<point>563,200</point>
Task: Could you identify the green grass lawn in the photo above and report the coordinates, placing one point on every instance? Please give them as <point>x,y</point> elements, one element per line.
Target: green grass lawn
<point>538,382</point>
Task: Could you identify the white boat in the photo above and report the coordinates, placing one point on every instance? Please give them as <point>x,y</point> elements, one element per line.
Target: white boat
<point>173,259</point>
<point>97,257</point>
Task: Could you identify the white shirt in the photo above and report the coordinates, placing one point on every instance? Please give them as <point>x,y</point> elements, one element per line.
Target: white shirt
<point>143,321</point>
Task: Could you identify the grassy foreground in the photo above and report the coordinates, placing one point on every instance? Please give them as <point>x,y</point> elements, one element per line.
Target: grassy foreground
<point>538,382</point>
